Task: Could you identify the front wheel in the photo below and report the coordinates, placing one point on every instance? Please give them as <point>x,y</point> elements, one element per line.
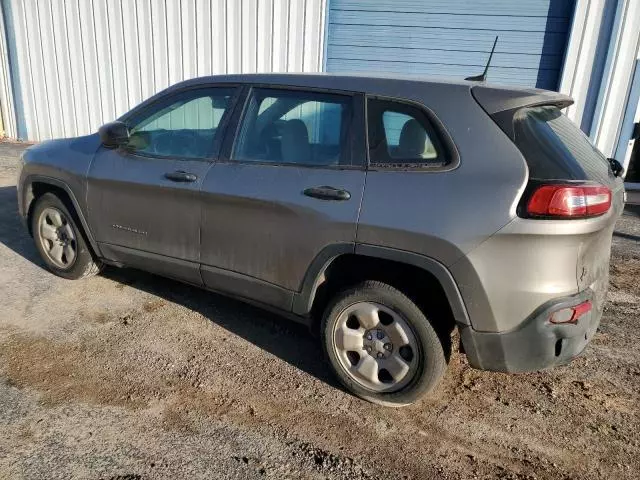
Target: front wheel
<point>59,240</point>
<point>381,346</point>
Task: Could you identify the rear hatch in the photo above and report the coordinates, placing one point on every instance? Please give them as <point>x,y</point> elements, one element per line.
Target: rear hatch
<point>560,155</point>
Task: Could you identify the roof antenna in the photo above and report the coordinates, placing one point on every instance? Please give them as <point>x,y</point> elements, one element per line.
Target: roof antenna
<point>483,77</point>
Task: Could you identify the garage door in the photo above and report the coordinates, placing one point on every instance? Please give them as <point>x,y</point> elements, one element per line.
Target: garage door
<point>451,38</point>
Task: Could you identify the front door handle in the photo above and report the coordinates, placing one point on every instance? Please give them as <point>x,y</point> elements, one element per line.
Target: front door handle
<point>327,193</point>
<point>180,176</point>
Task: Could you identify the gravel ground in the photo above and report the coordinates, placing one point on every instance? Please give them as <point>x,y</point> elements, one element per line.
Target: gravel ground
<point>131,376</point>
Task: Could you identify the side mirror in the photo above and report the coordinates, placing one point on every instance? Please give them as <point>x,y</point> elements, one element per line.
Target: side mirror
<point>616,167</point>
<point>114,134</point>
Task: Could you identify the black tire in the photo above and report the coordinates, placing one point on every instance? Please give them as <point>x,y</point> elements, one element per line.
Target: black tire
<point>430,358</point>
<point>85,264</point>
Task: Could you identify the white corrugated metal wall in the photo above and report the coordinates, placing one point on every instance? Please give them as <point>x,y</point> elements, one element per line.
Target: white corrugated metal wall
<point>613,83</point>
<point>7,112</point>
<point>581,55</point>
<point>616,84</point>
<point>76,64</point>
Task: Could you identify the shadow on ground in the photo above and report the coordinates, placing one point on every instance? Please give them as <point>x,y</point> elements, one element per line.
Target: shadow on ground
<point>632,210</point>
<point>627,236</point>
<point>277,335</point>
<point>13,233</point>
<point>283,338</point>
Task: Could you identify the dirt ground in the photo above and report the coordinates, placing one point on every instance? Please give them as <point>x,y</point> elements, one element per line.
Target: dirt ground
<point>132,376</point>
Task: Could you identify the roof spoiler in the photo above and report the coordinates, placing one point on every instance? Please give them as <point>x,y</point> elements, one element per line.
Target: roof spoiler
<point>497,99</point>
<point>501,103</point>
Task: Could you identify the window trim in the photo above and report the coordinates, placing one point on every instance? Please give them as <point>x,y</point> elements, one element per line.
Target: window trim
<point>163,97</point>
<point>356,128</point>
<point>443,136</point>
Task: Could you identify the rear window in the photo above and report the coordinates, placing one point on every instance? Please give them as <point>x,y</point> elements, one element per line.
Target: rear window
<point>401,134</point>
<point>555,149</point>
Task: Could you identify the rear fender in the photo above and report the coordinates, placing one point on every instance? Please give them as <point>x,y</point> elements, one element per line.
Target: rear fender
<point>303,301</point>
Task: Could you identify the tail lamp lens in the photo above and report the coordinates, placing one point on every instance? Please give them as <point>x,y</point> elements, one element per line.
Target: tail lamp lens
<point>569,201</point>
<point>571,314</point>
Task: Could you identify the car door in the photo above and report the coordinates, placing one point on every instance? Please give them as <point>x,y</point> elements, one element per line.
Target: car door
<point>144,198</point>
<point>286,188</point>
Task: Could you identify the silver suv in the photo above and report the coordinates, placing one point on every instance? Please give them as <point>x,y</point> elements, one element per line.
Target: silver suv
<point>385,212</point>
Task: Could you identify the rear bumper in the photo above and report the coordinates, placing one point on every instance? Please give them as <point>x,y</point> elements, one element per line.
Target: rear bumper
<point>537,343</point>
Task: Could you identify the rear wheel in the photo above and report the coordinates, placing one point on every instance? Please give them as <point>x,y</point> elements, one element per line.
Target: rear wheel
<point>59,241</point>
<point>381,346</point>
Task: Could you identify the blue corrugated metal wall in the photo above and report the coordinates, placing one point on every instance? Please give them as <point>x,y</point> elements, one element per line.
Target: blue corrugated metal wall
<point>451,38</point>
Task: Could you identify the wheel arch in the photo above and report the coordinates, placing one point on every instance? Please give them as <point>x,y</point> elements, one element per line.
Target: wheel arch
<point>333,268</point>
<point>36,185</point>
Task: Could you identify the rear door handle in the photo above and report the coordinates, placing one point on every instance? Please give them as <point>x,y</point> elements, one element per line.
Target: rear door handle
<point>327,193</point>
<point>180,176</point>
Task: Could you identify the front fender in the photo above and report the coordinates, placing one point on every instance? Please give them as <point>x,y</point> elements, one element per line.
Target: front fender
<point>62,164</point>
<point>26,197</point>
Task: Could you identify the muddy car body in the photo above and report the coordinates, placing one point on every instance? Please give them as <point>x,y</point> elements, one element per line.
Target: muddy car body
<point>393,210</point>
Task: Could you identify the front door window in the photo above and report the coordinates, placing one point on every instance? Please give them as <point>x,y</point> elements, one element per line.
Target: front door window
<point>182,126</point>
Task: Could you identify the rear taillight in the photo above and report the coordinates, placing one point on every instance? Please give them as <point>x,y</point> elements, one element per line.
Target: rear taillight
<point>569,201</point>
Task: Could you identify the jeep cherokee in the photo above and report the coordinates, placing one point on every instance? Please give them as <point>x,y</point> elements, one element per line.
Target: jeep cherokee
<point>390,210</point>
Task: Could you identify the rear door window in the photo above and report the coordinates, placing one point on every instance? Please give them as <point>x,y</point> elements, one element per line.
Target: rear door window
<point>295,127</point>
<point>401,134</point>
<point>556,149</point>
